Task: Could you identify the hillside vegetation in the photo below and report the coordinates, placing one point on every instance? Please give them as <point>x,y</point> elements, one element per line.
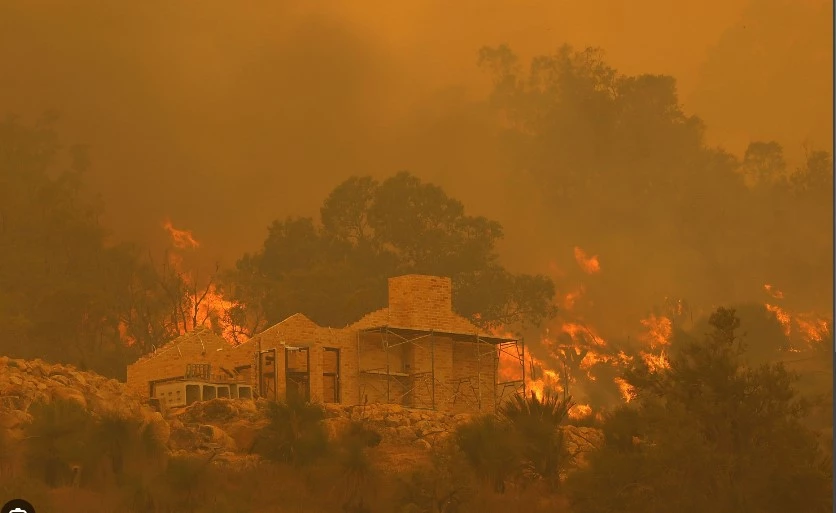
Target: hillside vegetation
<point>740,436</point>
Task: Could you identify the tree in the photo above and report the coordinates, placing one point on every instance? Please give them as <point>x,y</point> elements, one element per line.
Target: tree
<point>764,162</point>
<point>710,433</point>
<point>618,162</point>
<point>337,271</point>
<point>67,292</point>
<point>58,300</point>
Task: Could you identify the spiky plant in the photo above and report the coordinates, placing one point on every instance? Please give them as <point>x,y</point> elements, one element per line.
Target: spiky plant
<point>295,433</point>
<point>536,421</point>
<point>488,445</point>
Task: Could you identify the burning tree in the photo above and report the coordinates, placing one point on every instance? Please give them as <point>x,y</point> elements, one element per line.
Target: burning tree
<point>737,432</point>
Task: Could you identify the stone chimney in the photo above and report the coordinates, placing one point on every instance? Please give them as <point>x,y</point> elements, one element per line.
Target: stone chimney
<point>419,301</point>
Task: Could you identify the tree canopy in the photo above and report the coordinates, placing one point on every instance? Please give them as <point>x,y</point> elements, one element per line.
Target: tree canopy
<point>67,293</point>
<point>335,271</point>
<point>620,164</point>
<point>734,433</point>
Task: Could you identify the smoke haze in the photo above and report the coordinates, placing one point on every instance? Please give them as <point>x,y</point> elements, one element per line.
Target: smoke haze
<point>226,116</point>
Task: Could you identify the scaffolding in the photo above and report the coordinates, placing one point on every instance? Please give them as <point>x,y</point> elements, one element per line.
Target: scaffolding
<point>400,379</point>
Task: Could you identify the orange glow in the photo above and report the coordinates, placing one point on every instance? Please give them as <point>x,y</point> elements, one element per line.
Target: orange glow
<point>583,350</point>
<point>574,329</point>
<point>812,328</point>
<point>510,369</point>
<point>657,336</point>
<point>783,318</point>
<point>626,389</point>
<point>181,239</point>
<point>580,411</point>
<point>659,331</point>
<point>207,306</point>
<point>772,291</point>
<point>656,362</point>
<point>571,298</point>
<point>804,330</point>
<point>123,334</point>
<point>589,264</point>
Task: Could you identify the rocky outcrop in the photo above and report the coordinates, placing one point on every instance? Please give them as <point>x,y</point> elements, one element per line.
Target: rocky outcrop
<point>223,430</point>
<point>395,423</point>
<point>24,382</point>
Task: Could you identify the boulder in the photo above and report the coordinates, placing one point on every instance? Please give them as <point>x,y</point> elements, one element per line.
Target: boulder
<point>215,435</point>
<point>244,433</point>
<point>66,393</point>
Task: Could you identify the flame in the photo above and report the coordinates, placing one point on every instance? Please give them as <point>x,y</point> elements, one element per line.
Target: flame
<point>657,337</point>
<point>772,291</point>
<point>571,298</point>
<point>580,411</point>
<point>208,306</point>
<point>590,265</point>
<point>783,318</point>
<point>536,376</point>
<point>659,331</point>
<point>582,350</point>
<point>803,330</point>
<point>812,327</point>
<point>181,239</point>
<point>627,390</point>
<point>656,362</point>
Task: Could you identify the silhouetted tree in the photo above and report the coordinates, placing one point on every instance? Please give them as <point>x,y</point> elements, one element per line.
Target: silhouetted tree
<point>709,434</point>
<point>370,231</point>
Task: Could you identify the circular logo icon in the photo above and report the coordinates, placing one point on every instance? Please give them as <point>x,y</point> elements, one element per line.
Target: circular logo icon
<point>17,506</point>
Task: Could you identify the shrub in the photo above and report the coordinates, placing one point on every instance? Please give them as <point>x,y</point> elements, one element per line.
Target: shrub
<point>536,422</point>
<point>490,448</point>
<point>295,434</point>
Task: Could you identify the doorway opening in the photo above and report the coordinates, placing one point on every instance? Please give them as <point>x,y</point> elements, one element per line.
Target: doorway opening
<point>298,373</point>
<point>331,375</point>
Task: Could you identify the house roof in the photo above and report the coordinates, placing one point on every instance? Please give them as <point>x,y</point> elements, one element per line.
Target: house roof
<point>202,336</point>
<point>442,323</point>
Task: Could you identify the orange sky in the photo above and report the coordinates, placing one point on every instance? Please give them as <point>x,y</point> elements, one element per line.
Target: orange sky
<point>227,116</point>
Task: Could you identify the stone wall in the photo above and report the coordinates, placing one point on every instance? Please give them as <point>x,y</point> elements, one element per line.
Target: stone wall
<point>170,361</point>
<point>299,331</point>
<point>416,300</point>
<point>433,371</point>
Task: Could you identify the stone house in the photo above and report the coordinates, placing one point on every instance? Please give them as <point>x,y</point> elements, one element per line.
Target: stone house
<point>416,352</point>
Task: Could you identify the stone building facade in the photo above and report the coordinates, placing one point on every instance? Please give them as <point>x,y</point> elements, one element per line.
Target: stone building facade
<point>416,352</point>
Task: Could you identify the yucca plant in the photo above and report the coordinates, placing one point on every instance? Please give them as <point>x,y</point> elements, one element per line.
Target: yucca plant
<point>536,421</point>
<point>489,446</point>
<point>355,465</point>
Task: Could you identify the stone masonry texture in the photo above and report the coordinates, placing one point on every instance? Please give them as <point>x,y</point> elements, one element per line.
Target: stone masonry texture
<point>416,352</point>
